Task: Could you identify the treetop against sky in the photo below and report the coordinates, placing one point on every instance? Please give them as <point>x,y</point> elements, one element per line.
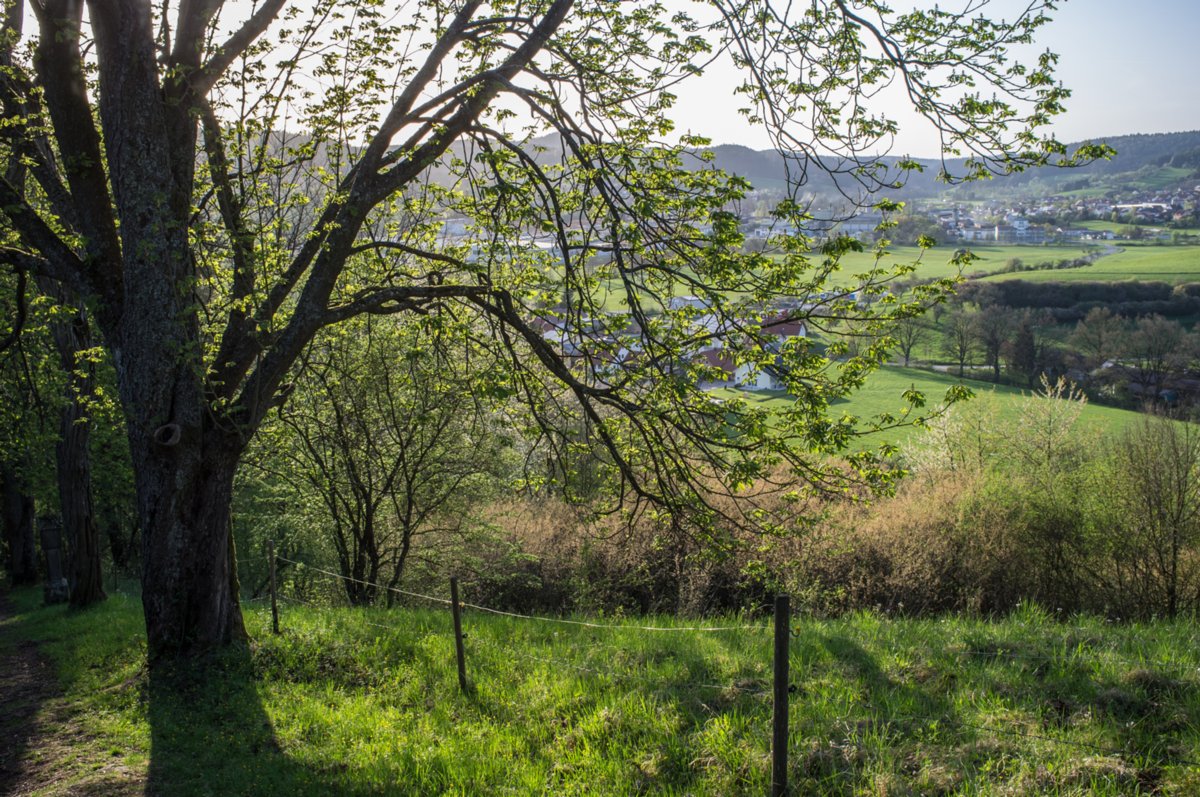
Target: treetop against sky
<point>1129,68</point>
<point>222,184</point>
<point>1117,64</point>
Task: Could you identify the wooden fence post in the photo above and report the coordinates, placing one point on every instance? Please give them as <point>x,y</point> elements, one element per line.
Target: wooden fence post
<point>274,604</point>
<point>458,635</point>
<point>779,735</point>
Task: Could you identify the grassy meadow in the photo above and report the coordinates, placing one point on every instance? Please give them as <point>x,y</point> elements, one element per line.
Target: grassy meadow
<point>882,393</point>
<point>1148,263</point>
<point>1121,226</point>
<point>366,702</point>
<point>1130,261</point>
<point>934,263</point>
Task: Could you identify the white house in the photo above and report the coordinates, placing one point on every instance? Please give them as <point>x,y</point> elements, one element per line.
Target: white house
<point>766,378</point>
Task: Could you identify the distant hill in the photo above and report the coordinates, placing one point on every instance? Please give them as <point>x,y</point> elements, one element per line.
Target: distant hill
<point>1150,149</point>
<point>1143,161</point>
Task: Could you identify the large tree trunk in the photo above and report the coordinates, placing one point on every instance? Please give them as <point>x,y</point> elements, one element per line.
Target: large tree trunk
<point>362,576</point>
<point>75,502</point>
<point>18,510</point>
<point>120,543</point>
<point>189,576</point>
<point>74,466</point>
<point>184,450</point>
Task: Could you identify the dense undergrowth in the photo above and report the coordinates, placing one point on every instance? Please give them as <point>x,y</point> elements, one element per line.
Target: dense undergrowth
<point>1006,502</point>
<point>357,701</point>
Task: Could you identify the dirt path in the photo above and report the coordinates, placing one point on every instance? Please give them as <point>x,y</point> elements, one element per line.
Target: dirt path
<point>44,750</point>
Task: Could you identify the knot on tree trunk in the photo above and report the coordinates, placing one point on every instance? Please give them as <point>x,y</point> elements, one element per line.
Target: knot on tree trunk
<point>168,434</point>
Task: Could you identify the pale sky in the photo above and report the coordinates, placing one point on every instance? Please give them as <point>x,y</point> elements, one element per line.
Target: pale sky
<point>1132,67</point>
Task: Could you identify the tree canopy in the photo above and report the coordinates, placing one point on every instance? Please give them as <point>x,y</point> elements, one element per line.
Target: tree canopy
<point>219,187</point>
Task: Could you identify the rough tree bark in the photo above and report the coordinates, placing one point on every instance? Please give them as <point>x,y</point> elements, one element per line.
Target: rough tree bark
<point>73,462</point>
<point>189,579</point>
<point>18,513</point>
<point>73,458</point>
<point>199,364</point>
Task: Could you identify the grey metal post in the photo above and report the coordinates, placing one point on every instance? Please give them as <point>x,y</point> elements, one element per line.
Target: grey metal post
<point>458,635</point>
<point>274,604</point>
<point>779,735</point>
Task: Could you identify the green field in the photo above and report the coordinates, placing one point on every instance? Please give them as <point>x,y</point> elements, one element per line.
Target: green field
<point>362,702</point>
<point>1147,178</point>
<point>934,263</point>
<point>1113,226</point>
<point>883,390</point>
<point>1174,264</point>
<point>1098,224</point>
<point>1157,177</point>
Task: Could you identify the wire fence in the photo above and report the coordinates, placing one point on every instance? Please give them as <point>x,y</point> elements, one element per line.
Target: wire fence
<point>751,686</point>
<point>1000,651</point>
<point>538,618</point>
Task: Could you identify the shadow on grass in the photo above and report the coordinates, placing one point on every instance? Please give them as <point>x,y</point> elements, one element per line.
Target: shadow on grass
<point>26,682</point>
<point>210,734</point>
<point>610,703</point>
<point>905,705</point>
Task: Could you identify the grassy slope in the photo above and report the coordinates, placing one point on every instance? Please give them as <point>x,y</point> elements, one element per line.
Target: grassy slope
<point>1174,264</point>
<point>883,390</point>
<point>933,264</point>
<point>358,702</point>
<point>1114,226</point>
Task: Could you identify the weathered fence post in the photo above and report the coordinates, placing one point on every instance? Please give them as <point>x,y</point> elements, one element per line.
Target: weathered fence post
<point>274,604</point>
<point>458,635</point>
<point>779,735</point>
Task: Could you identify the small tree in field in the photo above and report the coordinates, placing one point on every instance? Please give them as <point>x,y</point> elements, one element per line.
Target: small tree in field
<point>1099,336</point>
<point>219,191</point>
<point>993,326</point>
<point>386,435</point>
<point>1155,544</point>
<point>909,333</point>
<point>1158,348</point>
<point>959,337</point>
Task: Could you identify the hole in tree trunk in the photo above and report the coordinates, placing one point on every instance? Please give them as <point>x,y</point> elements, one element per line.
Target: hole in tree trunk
<point>168,434</point>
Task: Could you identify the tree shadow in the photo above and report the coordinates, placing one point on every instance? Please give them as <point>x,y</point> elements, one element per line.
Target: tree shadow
<point>905,705</point>
<point>1146,714</point>
<point>26,683</point>
<point>210,734</point>
<point>615,684</point>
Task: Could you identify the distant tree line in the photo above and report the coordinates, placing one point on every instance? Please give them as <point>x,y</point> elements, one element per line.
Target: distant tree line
<point>1072,301</point>
<point>1127,359</point>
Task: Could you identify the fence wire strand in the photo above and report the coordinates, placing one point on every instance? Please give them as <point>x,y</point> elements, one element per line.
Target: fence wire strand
<point>629,678</point>
<point>396,590</point>
<point>534,617</point>
<point>311,605</point>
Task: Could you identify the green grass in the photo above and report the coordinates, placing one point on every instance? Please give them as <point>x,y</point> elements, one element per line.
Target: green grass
<point>1119,227</point>
<point>934,263</point>
<point>1147,178</point>
<point>1173,264</point>
<point>1099,224</point>
<point>989,258</point>
<point>1158,177</point>
<point>366,702</point>
<point>883,390</point>
<point>1134,261</point>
